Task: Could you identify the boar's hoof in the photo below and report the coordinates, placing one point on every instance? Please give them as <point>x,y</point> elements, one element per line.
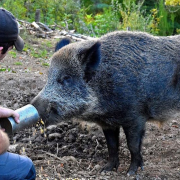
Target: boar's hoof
<point>111,165</point>
<point>131,173</point>
<point>132,170</point>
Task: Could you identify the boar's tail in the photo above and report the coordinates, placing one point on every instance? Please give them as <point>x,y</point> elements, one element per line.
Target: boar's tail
<point>62,43</point>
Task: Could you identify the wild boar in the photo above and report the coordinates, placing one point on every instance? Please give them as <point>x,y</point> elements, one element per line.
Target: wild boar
<point>121,79</point>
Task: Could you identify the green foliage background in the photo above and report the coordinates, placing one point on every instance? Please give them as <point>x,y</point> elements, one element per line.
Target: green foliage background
<point>97,17</point>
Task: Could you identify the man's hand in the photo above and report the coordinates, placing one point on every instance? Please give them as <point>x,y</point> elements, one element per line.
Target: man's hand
<point>5,113</point>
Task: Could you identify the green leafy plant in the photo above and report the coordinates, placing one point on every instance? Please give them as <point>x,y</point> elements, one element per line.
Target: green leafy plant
<point>172,2</point>
<point>16,7</point>
<point>178,31</point>
<point>134,17</point>
<point>154,25</point>
<point>96,18</point>
<point>100,23</point>
<point>166,23</point>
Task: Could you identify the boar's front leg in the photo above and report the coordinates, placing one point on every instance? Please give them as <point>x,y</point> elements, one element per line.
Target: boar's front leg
<point>112,139</point>
<point>134,134</point>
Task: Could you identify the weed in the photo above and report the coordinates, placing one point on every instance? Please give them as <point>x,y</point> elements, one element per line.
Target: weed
<point>2,69</point>
<point>45,64</point>
<point>48,44</point>
<point>5,69</point>
<point>39,53</point>
<point>13,54</point>
<point>18,63</point>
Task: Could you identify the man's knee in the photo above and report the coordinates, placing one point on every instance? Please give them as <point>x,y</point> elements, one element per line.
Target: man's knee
<point>32,173</point>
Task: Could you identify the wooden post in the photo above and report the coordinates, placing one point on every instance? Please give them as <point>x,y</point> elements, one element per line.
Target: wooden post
<point>37,15</point>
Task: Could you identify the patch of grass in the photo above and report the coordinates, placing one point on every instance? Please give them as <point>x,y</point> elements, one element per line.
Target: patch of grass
<point>26,47</point>
<point>43,53</point>
<point>5,69</point>
<point>2,69</point>
<point>45,64</point>
<point>38,48</point>
<point>47,44</point>
<point>13,54</point>
<point>18,63</point>
<point>34,53</point>
<point>39,53</point>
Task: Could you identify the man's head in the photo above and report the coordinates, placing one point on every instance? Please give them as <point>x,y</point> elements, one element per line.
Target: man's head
<point>4,142</point>
<point>9,33</point>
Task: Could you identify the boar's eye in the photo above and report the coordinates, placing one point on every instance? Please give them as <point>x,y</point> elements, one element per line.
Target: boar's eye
<point>64,80</point>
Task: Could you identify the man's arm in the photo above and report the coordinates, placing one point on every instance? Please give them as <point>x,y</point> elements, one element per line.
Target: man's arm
<point>5,113</point>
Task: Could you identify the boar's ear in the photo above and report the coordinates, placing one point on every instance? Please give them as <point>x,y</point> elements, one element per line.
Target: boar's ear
<point>62,43</point>
<point>90,60</point>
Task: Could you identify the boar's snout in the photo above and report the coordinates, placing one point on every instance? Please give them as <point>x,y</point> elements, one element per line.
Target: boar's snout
<point>45,109</point>
<point>37,102</point>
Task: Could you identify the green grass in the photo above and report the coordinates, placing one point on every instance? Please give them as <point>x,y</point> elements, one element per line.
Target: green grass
<point>39,53</point>
<point>47,44</point>
<point>5,69</point>
<point>2,69</point>
<point>45,64</point>
<point>13,53</point>
<point>38,48</point>
<point>18,63</point>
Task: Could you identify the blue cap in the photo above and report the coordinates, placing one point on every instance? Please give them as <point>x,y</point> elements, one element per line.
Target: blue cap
<point>9,30</point>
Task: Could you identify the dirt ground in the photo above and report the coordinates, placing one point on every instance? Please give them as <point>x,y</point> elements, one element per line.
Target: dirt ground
<point>73,150</point>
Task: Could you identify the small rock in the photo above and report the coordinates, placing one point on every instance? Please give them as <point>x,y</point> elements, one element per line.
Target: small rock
<point>16,106</point>
<point>62,124</point>
<point>12,148</point>
<point>51,127</point>
<point>25,140</point>
<point>97,167</point>
<point>70,158</point>
<point>53,136</point>
<point>94,138</point>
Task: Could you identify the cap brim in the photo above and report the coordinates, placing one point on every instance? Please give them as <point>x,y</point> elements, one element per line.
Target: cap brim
<point>19,44</point>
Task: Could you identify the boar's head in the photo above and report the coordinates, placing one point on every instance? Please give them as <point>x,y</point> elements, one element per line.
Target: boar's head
<point>67,93</point>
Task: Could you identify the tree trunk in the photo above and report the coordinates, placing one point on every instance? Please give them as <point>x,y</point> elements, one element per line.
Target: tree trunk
<point>37,15</point>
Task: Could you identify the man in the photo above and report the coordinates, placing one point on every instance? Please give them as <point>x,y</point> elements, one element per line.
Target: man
<point>12,166</point>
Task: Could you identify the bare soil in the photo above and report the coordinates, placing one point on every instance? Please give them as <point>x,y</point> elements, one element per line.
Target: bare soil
<point>73,150</point>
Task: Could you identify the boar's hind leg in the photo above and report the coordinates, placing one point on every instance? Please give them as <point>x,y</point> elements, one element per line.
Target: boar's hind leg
<point>112,139</point>
<point>134,134</point>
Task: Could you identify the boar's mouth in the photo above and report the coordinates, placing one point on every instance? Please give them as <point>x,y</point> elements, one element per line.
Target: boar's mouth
<point>57,113</point>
